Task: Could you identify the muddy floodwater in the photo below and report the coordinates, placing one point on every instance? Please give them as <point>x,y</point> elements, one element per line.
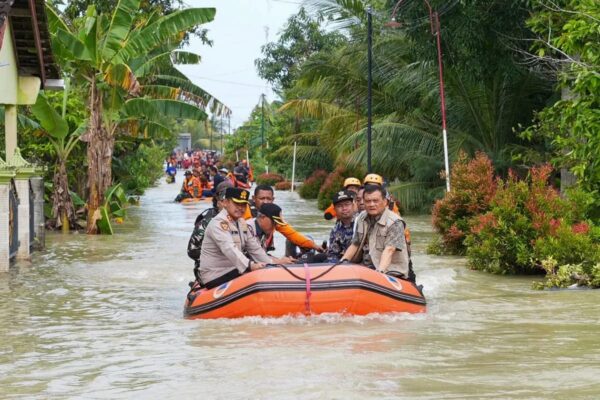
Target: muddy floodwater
<point>100,317</point>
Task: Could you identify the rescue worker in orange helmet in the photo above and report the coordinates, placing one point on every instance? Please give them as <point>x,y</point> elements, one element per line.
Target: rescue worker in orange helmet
<point>351,184</point>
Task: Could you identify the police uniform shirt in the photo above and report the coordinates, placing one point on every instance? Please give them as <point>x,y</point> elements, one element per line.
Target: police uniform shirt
<point>225,242</point>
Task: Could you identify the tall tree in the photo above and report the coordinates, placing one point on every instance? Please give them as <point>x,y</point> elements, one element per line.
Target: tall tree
<point>301,38</point>
<point>116,55</point>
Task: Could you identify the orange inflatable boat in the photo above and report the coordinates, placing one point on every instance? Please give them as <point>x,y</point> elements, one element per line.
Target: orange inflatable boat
<point>191,200</point>
<point>276,291</point>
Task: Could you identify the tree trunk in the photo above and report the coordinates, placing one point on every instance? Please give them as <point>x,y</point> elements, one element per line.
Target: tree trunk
<point>99,155</point>
<point>567,178</point>
<point>63,210</point>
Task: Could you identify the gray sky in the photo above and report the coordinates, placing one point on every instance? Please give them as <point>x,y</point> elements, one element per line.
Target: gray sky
<point>227,69</point>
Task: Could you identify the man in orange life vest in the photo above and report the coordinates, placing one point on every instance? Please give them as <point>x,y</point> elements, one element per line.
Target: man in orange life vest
<point>190,188</point>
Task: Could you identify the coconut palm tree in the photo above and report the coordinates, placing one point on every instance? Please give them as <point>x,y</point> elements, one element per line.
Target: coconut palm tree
<point>126,62</point>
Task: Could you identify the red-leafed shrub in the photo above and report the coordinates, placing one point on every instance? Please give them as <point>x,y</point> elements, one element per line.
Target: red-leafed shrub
<point>269,179</point>
<point>311,186</point>
<point>285,185</point>
<point>473,186</point>
<point>529,222</point>
<point>334,184</point>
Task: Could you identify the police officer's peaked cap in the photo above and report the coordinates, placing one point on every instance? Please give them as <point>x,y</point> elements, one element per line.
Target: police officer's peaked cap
<point>237,195</point>
<point>343,195</point>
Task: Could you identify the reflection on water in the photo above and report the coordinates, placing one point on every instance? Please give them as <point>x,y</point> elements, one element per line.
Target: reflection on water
<point>101,317</point>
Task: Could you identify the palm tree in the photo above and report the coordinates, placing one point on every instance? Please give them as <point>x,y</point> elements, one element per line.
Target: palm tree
<point>126,62</point>
<point>407,145</point>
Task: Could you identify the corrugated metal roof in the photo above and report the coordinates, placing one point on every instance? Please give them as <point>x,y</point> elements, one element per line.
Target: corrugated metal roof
<point>32,39</point>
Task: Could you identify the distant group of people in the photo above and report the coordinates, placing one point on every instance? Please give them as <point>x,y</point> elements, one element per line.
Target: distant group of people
<point>235,236</point>
<point>205,173</point>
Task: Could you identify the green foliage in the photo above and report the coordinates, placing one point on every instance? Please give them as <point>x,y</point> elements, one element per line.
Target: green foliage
<point>334,183</point>
<point>473,187</point>
<point>570,244</point>
<point>301,37</point>
<point>563,276</point>
<point>311,186</point>
<point>113,209</point>
<point>527,223</point>
<point>572,125</point>
<point>269,179</point>
<point>137,166</point>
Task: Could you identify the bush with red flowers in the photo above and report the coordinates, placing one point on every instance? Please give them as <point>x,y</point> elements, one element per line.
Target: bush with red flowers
<point>311,186</point>
<point>473,186</point>
<point>285,185</point>
<point>529,222</point>
<point>269,179</point>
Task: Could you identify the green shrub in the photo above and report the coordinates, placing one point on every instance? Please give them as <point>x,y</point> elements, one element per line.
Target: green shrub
<point>311,186</point>
<point>139,169</point>
<point>333,183</point>
<point>528,222</point>
<point>269,179</point>
<point>473,186</point>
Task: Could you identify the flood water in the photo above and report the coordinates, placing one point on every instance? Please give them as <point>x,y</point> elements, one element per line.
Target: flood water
<point>101,318</point>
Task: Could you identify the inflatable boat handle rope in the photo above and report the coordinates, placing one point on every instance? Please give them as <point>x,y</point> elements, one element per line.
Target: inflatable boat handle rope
<point>309,278</point>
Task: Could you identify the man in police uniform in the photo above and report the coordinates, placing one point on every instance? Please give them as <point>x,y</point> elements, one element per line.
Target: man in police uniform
<point>341,234</point>
<point>379,240</point>
<point>226,239</point>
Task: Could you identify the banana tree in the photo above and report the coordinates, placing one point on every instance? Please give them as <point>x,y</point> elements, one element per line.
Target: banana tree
<point>64,141</point>
<point>126,61</point>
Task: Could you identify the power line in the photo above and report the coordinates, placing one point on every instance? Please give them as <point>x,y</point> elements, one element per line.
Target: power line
<point>224,81</point>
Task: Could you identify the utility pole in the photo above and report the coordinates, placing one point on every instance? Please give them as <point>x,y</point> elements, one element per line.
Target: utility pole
<point>262,121</point>
<point>369,83</point>
<point>222,131</point>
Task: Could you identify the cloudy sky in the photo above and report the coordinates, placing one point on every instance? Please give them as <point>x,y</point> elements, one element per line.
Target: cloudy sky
<point>227,69</point>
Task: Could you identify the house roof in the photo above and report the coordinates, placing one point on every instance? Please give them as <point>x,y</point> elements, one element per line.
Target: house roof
<point>31,38</point>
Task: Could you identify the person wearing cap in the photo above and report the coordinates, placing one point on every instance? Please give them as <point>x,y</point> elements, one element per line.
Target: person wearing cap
<point>379,240</point>
<point>264,194</point>
<point>202,220</point>
<point>351,184</point>
<point>342,232</point>
<point>263,227</point>
<point>227,241</point>
<point>220,176</point>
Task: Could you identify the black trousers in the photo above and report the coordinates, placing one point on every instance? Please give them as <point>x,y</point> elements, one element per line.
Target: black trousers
<point>234,273</point>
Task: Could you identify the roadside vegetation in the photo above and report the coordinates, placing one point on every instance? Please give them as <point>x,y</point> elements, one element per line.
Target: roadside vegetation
<point>521,81</point>
<point>105,137</point>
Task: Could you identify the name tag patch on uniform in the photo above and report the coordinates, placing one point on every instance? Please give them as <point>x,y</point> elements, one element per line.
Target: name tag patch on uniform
<point>224,226</point>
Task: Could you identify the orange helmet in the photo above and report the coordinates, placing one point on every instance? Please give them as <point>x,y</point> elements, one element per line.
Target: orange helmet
<point>373,179</point>
<point>351,182</point>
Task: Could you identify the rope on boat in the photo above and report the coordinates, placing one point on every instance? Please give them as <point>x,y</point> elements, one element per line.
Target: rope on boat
<point>304,279</point>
